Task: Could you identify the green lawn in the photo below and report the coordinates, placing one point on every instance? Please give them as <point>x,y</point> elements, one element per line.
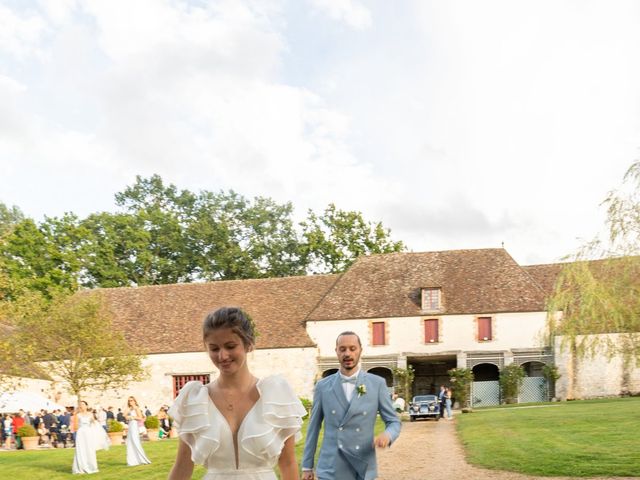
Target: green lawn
<point>54,464</point>
<point>581,439</point>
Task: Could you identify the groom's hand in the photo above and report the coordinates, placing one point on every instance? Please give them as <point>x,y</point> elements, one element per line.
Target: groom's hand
<point>382,441</point>
<point>307,475</point>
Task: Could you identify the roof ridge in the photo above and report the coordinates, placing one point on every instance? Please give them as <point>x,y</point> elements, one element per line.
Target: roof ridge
<point>209,282</point>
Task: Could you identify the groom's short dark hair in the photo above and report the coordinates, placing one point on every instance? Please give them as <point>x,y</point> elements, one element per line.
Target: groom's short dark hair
<point>349,332</point>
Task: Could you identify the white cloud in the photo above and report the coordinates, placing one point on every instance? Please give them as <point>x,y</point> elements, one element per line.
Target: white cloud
<point>20,35</point>
<point>458,124</point>
<point>351,12</point>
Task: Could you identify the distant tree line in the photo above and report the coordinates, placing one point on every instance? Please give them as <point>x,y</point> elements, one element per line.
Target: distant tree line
<point>160,234</point>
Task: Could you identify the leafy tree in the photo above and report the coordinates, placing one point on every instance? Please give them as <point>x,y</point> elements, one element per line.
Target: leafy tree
<point>599,291</point>
<point>73,336</point>
<point>233,237</point>
<point>333,241</point>
<point>165,235</point>
<point>9,216</point>
<point>43,258</point>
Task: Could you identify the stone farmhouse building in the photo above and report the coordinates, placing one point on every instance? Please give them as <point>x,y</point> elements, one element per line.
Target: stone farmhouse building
<point>434,311</point>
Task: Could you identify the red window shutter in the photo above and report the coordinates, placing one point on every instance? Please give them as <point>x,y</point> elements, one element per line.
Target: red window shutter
<point>484,328</point>
<point>180,381</point>
<point>431,330</point>
<point>378,333</point>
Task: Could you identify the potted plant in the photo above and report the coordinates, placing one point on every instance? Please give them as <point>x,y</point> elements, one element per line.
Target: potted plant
<point>115,429</point>
<point>510,382</point>
<point>28,437</point>
<point>152,424</point>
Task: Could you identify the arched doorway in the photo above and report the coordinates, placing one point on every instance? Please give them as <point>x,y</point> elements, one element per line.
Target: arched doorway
<point>328,372</point>
<point>385,373</point>
<point>534,386</point>
<point>485,389</point>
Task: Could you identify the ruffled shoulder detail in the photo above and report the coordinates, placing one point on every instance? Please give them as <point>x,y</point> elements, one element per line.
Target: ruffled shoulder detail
<point>190,412</point>
<point>282,415</point>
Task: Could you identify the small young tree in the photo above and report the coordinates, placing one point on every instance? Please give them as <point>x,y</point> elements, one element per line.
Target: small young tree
<point>461,379</point>
<point>551,375</point>
<point>510,382</point>
<point>74,337</point>
<point>404,379</point>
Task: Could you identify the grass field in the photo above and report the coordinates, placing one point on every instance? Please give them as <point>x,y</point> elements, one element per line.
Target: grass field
<point>582,438</point>
<point>54,464</point>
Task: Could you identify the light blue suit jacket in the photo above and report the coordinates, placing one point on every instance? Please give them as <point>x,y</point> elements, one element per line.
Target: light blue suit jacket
<point>347,450</point>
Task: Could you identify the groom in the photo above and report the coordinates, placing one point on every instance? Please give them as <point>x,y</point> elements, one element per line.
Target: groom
<point>348,402</point>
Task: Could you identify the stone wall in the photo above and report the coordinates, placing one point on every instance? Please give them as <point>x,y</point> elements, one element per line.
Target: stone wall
<point>297,365</point>
<point>595,376</point>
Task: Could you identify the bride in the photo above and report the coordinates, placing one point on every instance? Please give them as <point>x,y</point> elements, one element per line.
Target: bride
<point>90,436</point>
<point>239,427</point>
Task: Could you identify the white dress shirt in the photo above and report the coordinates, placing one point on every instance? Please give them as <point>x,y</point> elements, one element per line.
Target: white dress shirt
<point>348,388</point>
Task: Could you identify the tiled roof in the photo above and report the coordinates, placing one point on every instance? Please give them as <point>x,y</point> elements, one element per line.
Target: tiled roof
<point>168,318</point>
<point>471,281</point>
<point>546,275</point>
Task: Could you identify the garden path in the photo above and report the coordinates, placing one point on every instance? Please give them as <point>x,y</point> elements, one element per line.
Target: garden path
<point>408,459</point>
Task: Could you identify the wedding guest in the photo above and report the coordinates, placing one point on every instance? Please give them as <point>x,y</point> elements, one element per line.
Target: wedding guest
<point>135,417</point>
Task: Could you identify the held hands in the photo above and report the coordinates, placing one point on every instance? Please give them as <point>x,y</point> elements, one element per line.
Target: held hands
<point>308,475</point>
<point>382,441</point>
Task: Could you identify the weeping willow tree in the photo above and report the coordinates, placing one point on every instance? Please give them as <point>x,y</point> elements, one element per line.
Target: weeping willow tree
<point>598,292</point>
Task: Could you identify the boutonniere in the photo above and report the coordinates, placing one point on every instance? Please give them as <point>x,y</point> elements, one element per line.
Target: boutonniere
<point>361,389</point>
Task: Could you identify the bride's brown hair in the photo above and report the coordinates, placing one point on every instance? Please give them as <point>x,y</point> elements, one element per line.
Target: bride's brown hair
<point>234,318</point>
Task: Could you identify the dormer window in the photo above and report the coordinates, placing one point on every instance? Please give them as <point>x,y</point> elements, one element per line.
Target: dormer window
<point>431,299</point>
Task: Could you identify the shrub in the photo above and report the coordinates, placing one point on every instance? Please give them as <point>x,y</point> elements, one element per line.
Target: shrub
<point>114,426</point>
<point>510,381</point>
<point>27,431</point>
<point>404,381</point>
<point>152,422</point>
<point>461,379</point>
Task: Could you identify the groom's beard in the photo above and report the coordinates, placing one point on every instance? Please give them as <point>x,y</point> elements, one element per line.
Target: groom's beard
<point>351,365</point>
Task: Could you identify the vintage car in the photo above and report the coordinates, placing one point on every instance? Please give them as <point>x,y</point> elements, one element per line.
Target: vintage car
<point>424,406</point>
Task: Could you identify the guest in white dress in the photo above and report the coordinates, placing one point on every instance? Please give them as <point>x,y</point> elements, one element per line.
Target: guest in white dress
<point>135,453</point>
<point>90,437</point>
<point>239,427</point>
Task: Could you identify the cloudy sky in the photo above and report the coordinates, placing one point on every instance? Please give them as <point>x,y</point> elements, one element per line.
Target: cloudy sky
<point>458,124</point>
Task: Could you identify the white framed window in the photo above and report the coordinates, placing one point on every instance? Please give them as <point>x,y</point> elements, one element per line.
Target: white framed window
<point>431,298</point>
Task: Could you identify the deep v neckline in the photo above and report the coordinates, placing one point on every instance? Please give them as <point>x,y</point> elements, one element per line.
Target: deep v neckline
<point>236,444</point>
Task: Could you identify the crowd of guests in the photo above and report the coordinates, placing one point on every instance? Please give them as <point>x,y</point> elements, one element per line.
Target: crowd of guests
<point>55,428</point>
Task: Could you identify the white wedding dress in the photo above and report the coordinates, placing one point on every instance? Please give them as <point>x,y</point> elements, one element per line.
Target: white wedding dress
<point>90,437</point>
<point>276,416</point>
<point>135,453</point>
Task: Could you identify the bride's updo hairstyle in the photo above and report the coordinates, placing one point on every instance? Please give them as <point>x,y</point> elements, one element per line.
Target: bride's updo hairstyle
<point>234,318</point>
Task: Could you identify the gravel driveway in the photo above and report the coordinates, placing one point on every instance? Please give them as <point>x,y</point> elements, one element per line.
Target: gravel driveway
<point>403,461</point>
